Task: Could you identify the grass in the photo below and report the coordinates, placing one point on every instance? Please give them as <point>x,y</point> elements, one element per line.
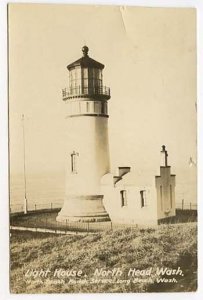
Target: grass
<point>169,246</point>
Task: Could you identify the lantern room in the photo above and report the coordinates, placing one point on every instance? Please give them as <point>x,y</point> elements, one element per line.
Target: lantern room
<point>85,79</point>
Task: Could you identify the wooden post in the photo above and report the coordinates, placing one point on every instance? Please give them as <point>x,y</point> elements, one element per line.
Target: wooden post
<point>190,205</point>
<point>182,204</point>
<point>35,207</point>
<point>24,165</point>
<point>51,206</point>
<point>111,226</point>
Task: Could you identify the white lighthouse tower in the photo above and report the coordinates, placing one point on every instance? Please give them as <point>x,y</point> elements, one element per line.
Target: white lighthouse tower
<point>87,152</point>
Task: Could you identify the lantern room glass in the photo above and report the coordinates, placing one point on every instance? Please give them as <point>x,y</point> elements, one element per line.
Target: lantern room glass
<point>75,80</point>
<point>85,80</point>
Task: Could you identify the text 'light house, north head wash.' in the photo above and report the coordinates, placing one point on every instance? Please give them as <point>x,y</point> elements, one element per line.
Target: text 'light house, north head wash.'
<point>93,193</point>
<point>87,154</point>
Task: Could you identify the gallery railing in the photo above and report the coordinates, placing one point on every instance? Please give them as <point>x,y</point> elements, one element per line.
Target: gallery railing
<point>80,91</point>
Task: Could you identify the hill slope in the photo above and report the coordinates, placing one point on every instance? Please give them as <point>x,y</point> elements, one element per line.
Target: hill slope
<point>167,246</point>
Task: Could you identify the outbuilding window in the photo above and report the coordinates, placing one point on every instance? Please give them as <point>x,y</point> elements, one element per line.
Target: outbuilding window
<point>143,198</point>
<point>123,198</point>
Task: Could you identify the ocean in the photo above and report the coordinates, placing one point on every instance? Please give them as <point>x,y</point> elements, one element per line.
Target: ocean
<point>43,191</point>
<point>47,191</point>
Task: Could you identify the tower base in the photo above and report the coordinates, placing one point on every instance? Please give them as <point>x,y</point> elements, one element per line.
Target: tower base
<point>88,208</point>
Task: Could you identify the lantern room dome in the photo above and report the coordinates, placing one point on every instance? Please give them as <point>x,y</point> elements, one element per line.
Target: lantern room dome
<point>85,50</point>
<point>85,61</point>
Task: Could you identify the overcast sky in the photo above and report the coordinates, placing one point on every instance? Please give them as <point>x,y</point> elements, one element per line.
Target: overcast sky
<point>150,65</point>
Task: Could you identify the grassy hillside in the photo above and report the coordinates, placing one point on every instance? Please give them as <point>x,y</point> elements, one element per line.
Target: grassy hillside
<point>169,246</point>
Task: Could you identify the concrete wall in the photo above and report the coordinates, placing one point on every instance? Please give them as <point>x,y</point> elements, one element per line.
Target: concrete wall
<point>87,106</point>
<point>87,136</point>
<point>133,212</point>
<point>165,184</point>
<point>87,142</point>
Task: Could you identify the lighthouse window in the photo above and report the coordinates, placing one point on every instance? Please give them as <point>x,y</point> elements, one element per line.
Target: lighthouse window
<point>103,108</point>
<point>100,74</point>
<point>85,73</point>
<point>95,80</point>
<point>88,107</point>
<point>95,107</point>
<point>100,79</point>
<point>123,195</point>
<point>143,198</point>
<point>85,80</point>
<point>74,157</point>
<point>75,80</point>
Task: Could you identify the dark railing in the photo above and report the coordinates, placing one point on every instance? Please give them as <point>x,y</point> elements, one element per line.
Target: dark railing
<point>18,208</point>
<point>15,208</point>
<point>186,206</point>
<point>43,216</point>
<point>79,91</point>
<point>46,220</point>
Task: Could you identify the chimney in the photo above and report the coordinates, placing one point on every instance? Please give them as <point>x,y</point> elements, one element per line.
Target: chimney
<point>164,157</point>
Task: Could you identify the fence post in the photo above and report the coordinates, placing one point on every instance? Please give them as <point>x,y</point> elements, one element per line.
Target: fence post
<point>87,226</point>
<point>51,205</point>
<point>111,226</point>
<point>182,204</point>
<point>190,205</point>
<point>35,207</point>
<point>66,226</point>
<point>46,223</point>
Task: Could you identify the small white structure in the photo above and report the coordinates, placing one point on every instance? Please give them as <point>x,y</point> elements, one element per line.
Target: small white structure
<point>144,203</point>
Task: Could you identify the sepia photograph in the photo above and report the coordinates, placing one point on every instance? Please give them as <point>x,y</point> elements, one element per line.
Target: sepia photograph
<point>102,148</point>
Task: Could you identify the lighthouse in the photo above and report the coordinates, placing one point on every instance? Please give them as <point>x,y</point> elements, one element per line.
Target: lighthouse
<point>87,151</point>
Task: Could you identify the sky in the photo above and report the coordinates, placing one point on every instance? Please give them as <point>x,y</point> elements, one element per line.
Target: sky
<point>150,65</point>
